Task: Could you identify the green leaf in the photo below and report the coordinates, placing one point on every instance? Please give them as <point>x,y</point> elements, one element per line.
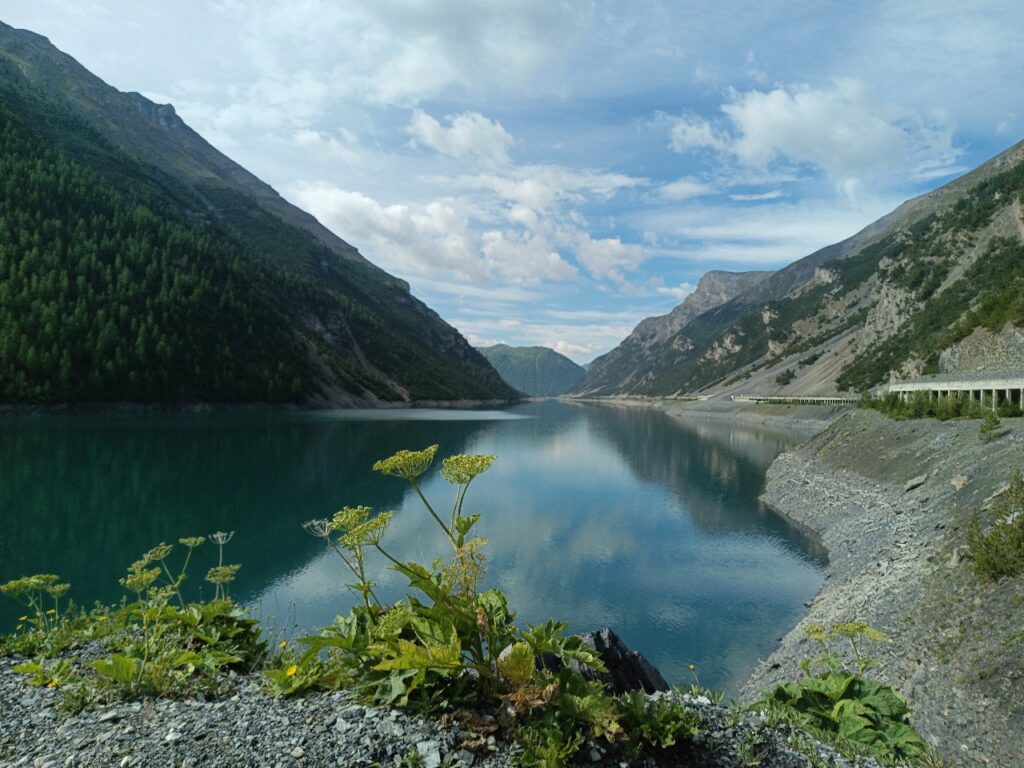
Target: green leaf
<point>120,669</point>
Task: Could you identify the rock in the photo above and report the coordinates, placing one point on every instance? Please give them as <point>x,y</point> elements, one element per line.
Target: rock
<point>430,753</point>
<point>915,482</point>
<point>959,481</point>
<point>987,504</point>
<point>957,557</point>
<point>627,670</point>
<point>298,752</point>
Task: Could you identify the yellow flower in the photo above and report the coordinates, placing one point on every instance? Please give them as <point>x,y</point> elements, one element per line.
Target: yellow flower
<point>291,670</point>
<point>22,618</point>
<point>51,612</point>
<point>101,618</point>
<point>54,682</point>
<point>407,465</point>
<point>282,644</point>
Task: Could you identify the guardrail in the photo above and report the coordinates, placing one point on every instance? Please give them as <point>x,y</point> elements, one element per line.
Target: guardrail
<point>796,399</point>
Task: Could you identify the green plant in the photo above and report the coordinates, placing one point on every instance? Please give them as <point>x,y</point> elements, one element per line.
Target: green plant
<point>154,647</point>
<point>32,592</point>
<point>452,644</point>
<point>989,427</point>
<point>785,377</point>
<point>1000,551</point>
<point>844,707</point>
<point>438,649</point>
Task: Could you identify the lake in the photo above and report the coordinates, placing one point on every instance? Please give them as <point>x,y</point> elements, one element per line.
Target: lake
<point>596,515</point>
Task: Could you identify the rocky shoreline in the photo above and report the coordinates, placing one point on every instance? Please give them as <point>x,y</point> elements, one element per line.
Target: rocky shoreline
<point>889,500</point>
<point>247,727</point>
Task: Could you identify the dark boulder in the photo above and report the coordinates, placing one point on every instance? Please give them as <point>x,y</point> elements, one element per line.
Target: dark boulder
<point>627,670</point>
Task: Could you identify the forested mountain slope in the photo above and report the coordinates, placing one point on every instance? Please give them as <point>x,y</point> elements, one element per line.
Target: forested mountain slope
<point>138,263</point>
<point>537,371</point>
<point>886,303</point>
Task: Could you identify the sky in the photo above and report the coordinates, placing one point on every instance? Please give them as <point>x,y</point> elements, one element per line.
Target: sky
<point>552,171</point>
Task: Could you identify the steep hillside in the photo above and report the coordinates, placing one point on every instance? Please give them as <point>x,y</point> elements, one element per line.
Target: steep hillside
<point>137,262</point>
<point>617,371</point>
<point>942,268</point>
<point>537,371</point>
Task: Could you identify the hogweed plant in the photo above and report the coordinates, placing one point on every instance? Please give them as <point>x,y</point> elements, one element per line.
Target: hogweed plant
<point>841,706</point>
<point>452,645</point>
<point>153,647</point>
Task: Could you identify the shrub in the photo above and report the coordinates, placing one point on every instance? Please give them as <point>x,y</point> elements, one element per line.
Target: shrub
<point>989,427</point>
<point>1000,551</point>
<point>785,377</point>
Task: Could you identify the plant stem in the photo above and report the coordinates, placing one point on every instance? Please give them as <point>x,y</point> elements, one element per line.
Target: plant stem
<point>433,514</point>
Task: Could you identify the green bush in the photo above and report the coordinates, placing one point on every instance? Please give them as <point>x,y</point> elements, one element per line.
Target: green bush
<point>1000,551</point>
<point>989,427</point>
<point>785,377</point>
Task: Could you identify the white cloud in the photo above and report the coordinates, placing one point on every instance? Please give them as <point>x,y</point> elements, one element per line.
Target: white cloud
<point>678,292</point>
<point>685,188</point>
<point>772,233</point>
<point>690,133</point>
<point>607,258</point>
<point>346,150</point>
<point>432,239</point>
<point>541,188</point>
<point>469,134</point>
<point>524,258</point>
<point>772,195</point>
<point>569,349</point>
<point>842,129</point>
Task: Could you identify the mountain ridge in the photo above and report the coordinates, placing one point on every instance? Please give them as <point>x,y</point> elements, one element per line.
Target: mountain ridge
<point>365,339</point>
<point>882,303</point>
<point>538,371</point>
<point>615,369</point>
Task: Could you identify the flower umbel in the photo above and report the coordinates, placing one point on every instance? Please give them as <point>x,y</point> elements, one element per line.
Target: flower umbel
<point>463,467</point>
<point>407,465</point>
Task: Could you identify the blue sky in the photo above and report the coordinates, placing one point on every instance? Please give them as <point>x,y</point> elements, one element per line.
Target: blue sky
<point>551,172</point>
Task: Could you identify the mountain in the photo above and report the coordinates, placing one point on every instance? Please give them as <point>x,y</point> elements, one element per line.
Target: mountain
<point>139,263</point>
<point>537,371</point>
<point>616,371</point>
<point>936,283</point>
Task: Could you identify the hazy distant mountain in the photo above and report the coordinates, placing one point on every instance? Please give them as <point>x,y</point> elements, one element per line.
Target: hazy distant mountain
<point>615,371</point>
<point>537,371</point>
<point>139,263</point>
<point>937,281</point>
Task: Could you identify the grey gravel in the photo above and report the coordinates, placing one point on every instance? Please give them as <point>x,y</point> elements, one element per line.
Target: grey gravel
<point>250,728</point>
<point>897,560</point>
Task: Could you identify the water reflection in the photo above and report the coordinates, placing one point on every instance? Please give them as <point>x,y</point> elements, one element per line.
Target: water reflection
<point>597,515</point>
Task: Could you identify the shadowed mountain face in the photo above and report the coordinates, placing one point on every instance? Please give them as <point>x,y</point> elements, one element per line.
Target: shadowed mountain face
<point>942,271</point>
<point>537,371</point>
<point>616,371</point>
<point>200,281</point>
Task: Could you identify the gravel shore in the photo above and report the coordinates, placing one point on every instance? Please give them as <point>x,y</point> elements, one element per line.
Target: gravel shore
<point>890,500</point>
<point>250,728</point>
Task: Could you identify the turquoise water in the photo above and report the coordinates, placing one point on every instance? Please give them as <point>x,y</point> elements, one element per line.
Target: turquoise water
<point>600,516</point>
